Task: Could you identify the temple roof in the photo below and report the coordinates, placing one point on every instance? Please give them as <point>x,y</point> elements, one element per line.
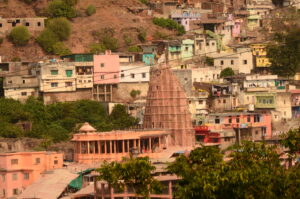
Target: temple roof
<point>87,127</point>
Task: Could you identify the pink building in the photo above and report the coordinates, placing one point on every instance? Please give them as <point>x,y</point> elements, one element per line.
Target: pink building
<point>92,146</point>
<point>106,68</point>
<point>19,170</point>
<point>236,29</point>
<point>247,125</point>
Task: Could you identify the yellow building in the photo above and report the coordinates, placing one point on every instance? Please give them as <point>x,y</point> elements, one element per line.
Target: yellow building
<point>259,51</point>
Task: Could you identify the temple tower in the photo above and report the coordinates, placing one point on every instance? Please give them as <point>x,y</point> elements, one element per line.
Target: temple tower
<point>167,107</point>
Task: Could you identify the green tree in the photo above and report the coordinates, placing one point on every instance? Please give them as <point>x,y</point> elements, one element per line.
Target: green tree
<point>97,48</point>
<point>8,130</point>
<point>110,43</point>
<point>134,49</point>
<point>284,53</point>
<point>121,119</point>
<point>128,40</point>
<point>169,24</point>
<point>291,140</point>
<point>227,72</point>
<point>90,10</point>
<point>59,8</point>
<point>142,35</point>
<point>60,49</point>
<point>61,27</point>
<point>47,39</point>
<point>209,61</point>
<point>20,35</point>
<point>134,93</point>
<point>133,172</point>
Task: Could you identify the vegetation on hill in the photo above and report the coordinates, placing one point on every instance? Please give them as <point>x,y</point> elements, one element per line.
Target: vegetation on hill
<point>20,35</point>
<point>57,121</point>
<point>106,40</point>
<point>169,24</point>
<point>226,72</point>
<point>61,8</point>
<point>90,10</point>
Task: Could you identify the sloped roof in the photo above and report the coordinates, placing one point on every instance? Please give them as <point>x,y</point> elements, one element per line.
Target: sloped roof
<point>87,127</point>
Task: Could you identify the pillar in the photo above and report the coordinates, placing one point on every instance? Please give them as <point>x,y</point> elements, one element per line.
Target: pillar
<point>115,146</point>
<point>104,92</point>
<point>139,144</point>
<point>97,86</point>
<point>123,146</point>
<point>170,189</point>
<point>88,147</point>
<point>94,150</point>
<point>111,93</point>
<point>99,147</point>
<point>150,147</point>
<point>128,145</point>
<point>159,147</point>
<point>105,147</point>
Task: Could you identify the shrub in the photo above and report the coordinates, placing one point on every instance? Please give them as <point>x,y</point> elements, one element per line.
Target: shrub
<point>90,10</point>
<point>20,35</point>
<point>127,39</point>
<point>227,72</point>
<point>97,48</point>
<point>60,49</point>
<point>169,24</point>
<point>61,27</point>
<point>59,8</point>
<point>134,49</point>
<point>16,59</point>
<point>144,1</point>
<point>110,43</point>
<point>135,93</point>
<point>47,39</point>
<point>142,35</point>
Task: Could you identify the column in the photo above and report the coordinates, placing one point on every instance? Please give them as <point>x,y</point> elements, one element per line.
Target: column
<point>123,146</point>
<point>150,147</point>
<point>105,147</point>
<point>97,86</point>
<point>159,147</point>
<point>170,189</point>
<point>128,145</point>
<point>99,147</point>
<point>104,92</point>
<point>111,93</point>
<point>94,150</point>
<point>88,147</point>
<point>115,146</point>
<point>80,150</point>
<point>139,145</point>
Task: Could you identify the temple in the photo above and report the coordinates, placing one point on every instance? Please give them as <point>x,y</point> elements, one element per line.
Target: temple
<point>167,107</point>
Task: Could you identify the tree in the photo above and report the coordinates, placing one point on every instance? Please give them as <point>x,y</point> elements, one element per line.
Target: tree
<point>90,10</point>
<point>59,8</point>
<point>135,93</point>
<point>134,49</point>
<point>97,48</point>
<point>291,140</point>
<point>227,72</point>
<point>133,172</point>
<point>61,27</point>
<point>20,35</point>
<point>60,49</point>
<point>47,39</point>
<point>142,36</point>
<point>209,61</point>
<point>284,54</point>
<point>121,119</point>
<point>169,24</point>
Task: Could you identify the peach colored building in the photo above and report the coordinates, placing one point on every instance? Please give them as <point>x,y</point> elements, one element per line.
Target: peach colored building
<point>92,146</point>
<point>19,170</point>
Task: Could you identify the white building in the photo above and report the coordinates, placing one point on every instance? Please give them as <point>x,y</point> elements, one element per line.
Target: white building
<point>206,74</point>
<point>133,73</point>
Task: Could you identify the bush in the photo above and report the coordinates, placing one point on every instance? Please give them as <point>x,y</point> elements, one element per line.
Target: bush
<point>60,49</point>
<point>59,8</point>
<point>169,24</point>
<point>47,39</point>
<point>97,48</point>
<point>142,36</point>
<point>144,1</point>
<point>90,10</point>
<point>135,93</point>
<point>61,27</point>
<point>134,49</point>
<point>127,39</point>
<point>20,35</point>
<point>16,59</point>
<point>110,43</point>
<point>227,72</point>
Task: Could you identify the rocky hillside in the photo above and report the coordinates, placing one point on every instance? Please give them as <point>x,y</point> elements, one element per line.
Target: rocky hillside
<point>124,17</point>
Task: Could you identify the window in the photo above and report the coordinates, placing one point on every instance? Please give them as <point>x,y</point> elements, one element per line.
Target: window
<point>37,160</point>
<point>122,75</point>
<point>144,75</point>
<point>68,84</point>
<point>55,161</point>
<point>190,101</point>
<point>237,119</point>
<point>0,25</point>
<point>14,161</point>
<point>256,132</point>
<point>102,77</point>
<point>54,72</point>
<point>23,81</point>
<point>54,84</point>
<point>200,101</point>
<point>226,139</point>
<point>102,65</point>
<point>115,76</point>
<point>15,191</point>
<point>23,93</point>
<point>256,118</point>
<point>207,43</point>
<point>27,24</point>
<point>9,81</point>
<point>230,120</point>
<point>26,176</point>
<point>248,118</point>
<point>186,48</point>
<point>69,73</point>
<point>232,62</point>
<point>245,61</point>
<point>14,176</point>
<point>132,75</point>
<point>39,24</point>
<point>224,101</point>
<point>222,62</point>
<point>217,120</point>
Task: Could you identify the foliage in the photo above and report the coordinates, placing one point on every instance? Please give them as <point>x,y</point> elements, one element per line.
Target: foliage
<point>97,48</point>
<point>128,40</point>
<point>209,61</point>
<point>291,140</point>
<point>160,35</point>
<point>284,54</point>
<point>55,122</point>
<point>253,170</point>
<point>106,38</point>
<point>60,8</point>
<point>90,10</point>
<point>146,2</point>
<point>60,49</point>
<point>134,49</point>
<point>47,39</point>
<point>1,87</point>
<point>16,59</point>
<point>142,36</point>
<point>133,172</point>
<point>20,35</point>
<point>135,93</point>
<point>61,27</point>
<point>169,24</point>
<point>226,72</point>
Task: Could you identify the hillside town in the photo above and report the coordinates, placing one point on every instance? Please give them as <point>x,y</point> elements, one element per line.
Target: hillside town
<point>214,81</point>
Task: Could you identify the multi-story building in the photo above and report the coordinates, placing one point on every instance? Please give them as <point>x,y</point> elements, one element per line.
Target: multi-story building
<point>33,24</point>
<point>261,61</point>
<point>184,16</point>
<point>174,51</point>
<point>20,169</point>
<point>295,100</point>
<point>106,75</point>
<point>204,43</point>
<point>187,49</point>
<point>198,106</point>
<point>206,74</point>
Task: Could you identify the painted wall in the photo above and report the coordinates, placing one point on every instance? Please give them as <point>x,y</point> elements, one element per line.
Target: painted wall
<point>134,73</point>
<point>106,68</point>
<point>187,49</point>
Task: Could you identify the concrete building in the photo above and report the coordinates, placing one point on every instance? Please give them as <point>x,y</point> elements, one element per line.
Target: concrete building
<point>92,146</point>
<point>240,60</point>
<point>150,52</point>
<point>174,50</point>
<point>204,43</point>
<point>206,74</point>
<point>106,76</point>
<point>261,62</point>
<point>187,49</point>
<point>184,16</point>
<point>198,106</point>
<point>134,73</point>
<point>295,100</point>
<point>33,24</point>
<point>20,169</point>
